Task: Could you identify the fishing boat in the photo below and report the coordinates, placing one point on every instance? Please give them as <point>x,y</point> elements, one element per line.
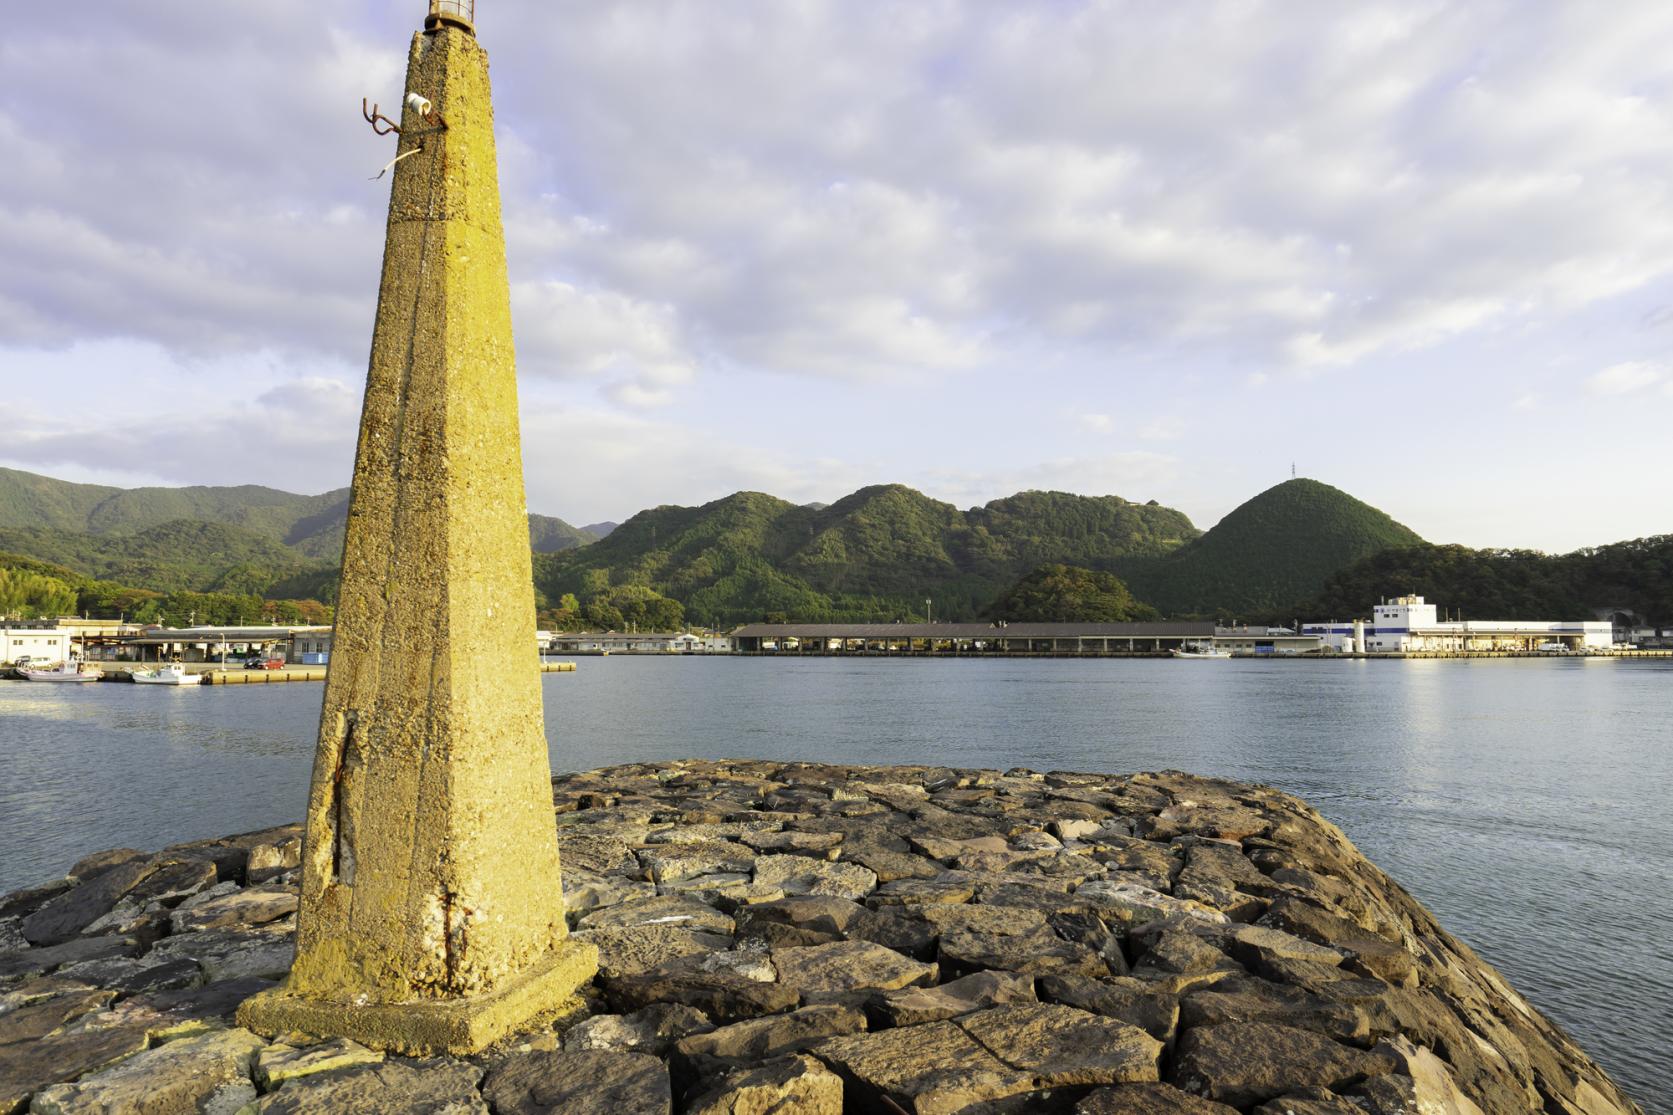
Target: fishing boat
<point>70,670</point>
<point>172,674</point>
<point>1200,650</point>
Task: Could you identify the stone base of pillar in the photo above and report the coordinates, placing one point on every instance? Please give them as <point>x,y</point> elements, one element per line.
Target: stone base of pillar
<point>428,1027</point>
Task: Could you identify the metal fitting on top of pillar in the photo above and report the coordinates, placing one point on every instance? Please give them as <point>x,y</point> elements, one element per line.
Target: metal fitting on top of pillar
<point>451,13</point>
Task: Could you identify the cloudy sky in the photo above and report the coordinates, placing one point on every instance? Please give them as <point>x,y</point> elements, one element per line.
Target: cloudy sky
<point>1423,250</point>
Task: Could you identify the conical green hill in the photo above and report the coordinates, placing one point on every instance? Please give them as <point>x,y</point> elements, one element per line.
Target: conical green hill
<point>1270,554</point>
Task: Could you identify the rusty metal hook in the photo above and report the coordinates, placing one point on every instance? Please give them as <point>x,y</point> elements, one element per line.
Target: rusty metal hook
<point>375,118</point>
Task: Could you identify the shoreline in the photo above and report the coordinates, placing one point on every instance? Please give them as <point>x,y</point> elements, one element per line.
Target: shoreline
<point>770,925</point>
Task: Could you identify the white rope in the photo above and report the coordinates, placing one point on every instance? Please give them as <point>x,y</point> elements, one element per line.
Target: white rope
<point>390,165</point>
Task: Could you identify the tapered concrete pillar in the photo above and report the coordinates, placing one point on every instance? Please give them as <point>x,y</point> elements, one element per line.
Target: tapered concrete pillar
<point>431,911</point>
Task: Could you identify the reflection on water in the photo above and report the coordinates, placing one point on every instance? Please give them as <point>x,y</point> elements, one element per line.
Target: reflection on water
<point>1521,800</point>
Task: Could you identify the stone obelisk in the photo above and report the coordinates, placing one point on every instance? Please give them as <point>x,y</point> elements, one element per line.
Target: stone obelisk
<point>431,914</point>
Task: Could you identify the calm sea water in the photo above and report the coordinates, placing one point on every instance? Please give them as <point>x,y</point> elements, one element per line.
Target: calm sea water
<point>1523,801</point>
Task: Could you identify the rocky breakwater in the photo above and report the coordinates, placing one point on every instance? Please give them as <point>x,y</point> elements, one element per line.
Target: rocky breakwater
<point>818,939</point>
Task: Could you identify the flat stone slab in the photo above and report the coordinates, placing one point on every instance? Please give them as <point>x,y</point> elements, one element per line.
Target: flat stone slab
<point>676,911</point>
<point>666,863</point>
<point>27,1067</point>
<point>932,1069</point>
<point>653,1029</point>
<point>583,894</point>
<point>1245,1063</point>
<point>208,1073</point>
<point>804,875</point>
<point>849,966</point>
<point>38,1019</point>
<point>1061,1046</point>
<point>758,1039</point>
<point>232,953</point>
<point>792,1086</point>
<point>250,906</point>
<point>437,1087</point>
<point>30,961</point>
<point>961,996</point>
<point>278,1063</point>
<point>630,950</point>
<point>560,1082</point>
<point>1148,1099</point>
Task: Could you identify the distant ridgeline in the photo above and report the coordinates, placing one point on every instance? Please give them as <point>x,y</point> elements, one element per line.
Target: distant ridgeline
<point>1635,577</point>
<point>1302,549</point>
<point>877,554</point>
<point>214,552</point>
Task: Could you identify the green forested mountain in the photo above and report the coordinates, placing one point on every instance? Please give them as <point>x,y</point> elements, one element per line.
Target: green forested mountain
<point>1069,594</point>
<point>321,536</point>
<point>549,535</point>
<point>1636,576</point>
<point>877,553</point>
<point>1270,554</point>
<point>240,539</point>
<point>1301,549</point>
<point>28,500</point>
<point>182,555</point>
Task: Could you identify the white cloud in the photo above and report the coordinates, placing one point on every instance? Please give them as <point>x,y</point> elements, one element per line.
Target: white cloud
<point>1625,378</point>
<point>821,189</point>
<point>296,435</point>
<point>1167,428</point>
<point>1104,474</point>
<point>1098,423</point>
<point>591,464</point>
<point>564,332</point>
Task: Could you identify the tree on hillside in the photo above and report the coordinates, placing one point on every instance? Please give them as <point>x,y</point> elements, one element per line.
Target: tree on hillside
<point>28,595</point>
<point>567,616</point>
<point>1511,584</point>
<point>1069,594</point>
<point>636,606</point>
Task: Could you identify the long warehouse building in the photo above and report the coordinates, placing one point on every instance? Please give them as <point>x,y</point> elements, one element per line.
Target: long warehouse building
<point>1091,639</point>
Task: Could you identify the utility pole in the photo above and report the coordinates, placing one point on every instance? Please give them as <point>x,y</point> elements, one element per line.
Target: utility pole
<point>927,617</point>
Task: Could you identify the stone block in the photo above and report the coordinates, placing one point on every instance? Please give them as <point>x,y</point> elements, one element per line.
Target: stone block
<point>792,1086</point>
<point>207,1073</point>
<point>557,1083</point>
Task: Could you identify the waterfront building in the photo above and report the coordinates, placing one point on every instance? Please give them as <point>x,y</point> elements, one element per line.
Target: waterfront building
<point>1409,624</point>
<point>638,642</point>
<point>1262,641</point>
<point>100,640</point>
<point>1057,639</point>
<point>310,646</point>
<point>216,644</point>
<point>20,640</point>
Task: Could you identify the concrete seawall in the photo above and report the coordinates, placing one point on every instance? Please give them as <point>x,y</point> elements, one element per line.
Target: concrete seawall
<point>833,939</point>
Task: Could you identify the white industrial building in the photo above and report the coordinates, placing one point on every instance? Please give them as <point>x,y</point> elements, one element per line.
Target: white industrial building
<point>640,642</point>
<point>1406,624</point>
<point>50,644</point>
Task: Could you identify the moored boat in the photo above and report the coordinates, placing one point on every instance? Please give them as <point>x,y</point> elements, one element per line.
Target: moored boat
<point>172,674</point>
<point>64,671</point>
<point>1200,650</point>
